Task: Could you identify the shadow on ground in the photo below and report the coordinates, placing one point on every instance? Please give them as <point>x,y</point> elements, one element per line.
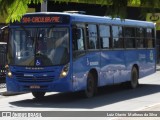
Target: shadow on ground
<point>106,96</point>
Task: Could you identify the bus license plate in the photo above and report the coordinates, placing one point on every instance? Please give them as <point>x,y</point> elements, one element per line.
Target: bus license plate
<point>34,87</point>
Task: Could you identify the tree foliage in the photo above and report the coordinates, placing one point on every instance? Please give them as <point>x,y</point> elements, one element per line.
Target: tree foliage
<point>16,8</point>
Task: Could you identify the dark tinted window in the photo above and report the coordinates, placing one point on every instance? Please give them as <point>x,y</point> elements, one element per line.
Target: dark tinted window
<point>150,37</point>
<point>140,40</point>
<point>129,34</point>
<point>117,36</point>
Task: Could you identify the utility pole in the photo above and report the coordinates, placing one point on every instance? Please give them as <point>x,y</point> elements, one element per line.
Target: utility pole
<point>44,6</point>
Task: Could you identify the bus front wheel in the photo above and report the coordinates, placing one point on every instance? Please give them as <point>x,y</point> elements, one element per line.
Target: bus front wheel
<point>134,78</point>
<point>91,87</point>
<point>38,95</point>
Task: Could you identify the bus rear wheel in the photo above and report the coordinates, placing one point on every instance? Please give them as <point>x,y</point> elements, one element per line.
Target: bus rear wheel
<point>134,78</point>
<point>38,95</point>
<point>91,87</point>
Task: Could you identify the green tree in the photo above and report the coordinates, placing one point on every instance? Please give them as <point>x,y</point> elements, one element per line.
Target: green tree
<point>16,8</point>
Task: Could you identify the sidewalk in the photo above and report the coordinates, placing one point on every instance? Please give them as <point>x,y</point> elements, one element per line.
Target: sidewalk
<point>4,92</point>
<point>152,108</point>
<point>158,67</point>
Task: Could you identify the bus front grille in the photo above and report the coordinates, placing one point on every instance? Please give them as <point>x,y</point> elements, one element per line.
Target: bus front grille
<point>22,78</point>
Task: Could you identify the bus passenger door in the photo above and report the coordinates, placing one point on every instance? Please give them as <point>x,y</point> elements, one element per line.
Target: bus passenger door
<point>79,59</point>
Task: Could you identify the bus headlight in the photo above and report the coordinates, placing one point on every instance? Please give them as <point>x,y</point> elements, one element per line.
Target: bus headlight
<point>9,74</point>
<point>64,71</point>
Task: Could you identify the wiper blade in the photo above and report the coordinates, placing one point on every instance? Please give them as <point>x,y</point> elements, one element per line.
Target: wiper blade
<point>27,32</point>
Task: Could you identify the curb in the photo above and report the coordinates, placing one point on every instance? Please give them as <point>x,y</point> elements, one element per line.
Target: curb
<point>10,93</point>
<point>150,107</point>
<point>155,107</point>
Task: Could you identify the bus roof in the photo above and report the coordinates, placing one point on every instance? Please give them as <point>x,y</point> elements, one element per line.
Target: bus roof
<point>98,19</point>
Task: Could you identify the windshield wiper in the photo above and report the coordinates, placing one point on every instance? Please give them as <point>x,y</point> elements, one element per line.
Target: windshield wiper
<point>28,34</point>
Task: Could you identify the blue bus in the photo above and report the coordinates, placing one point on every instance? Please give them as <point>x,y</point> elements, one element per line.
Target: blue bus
<point>66,52</point>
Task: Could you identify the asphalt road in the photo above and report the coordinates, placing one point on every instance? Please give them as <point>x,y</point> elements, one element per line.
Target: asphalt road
<point>109,98</point>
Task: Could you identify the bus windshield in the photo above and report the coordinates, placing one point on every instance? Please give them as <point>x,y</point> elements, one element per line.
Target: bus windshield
<point>38,46</point>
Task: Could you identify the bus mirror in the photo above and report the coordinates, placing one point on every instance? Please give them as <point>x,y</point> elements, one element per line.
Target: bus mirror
<point>76,33</point>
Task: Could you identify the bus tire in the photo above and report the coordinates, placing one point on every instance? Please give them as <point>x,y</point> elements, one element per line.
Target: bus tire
<point>91,87</point>
<point>38,95</point>
<point>133,83</point>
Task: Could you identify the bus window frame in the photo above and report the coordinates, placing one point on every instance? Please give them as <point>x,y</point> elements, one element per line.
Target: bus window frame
<point>78,53</point>
<point>108,37</point>
<point>143,37</point>
<point>122,37</point>
<point>88,36</point>
<point>152,38</point>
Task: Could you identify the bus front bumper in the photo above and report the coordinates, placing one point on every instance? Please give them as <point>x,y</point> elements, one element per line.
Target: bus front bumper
<point>55,86</point>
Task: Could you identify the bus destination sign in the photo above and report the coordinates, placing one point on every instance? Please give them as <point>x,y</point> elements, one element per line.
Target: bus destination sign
<point>55,19</point>
<point>45,19</point>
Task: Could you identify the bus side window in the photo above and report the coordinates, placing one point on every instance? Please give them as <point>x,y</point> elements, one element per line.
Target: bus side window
<point>150,38</point>
<point>140,38</point>
<point>92,36</point>
<point>78,39</point>
<point>104,32</point>
<point>129,35</point>
<point>118,41</point>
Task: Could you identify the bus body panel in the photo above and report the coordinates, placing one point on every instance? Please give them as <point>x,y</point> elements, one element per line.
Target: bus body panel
<point>143,58</point>
<point>81,67</point>
<point>113,66</point>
